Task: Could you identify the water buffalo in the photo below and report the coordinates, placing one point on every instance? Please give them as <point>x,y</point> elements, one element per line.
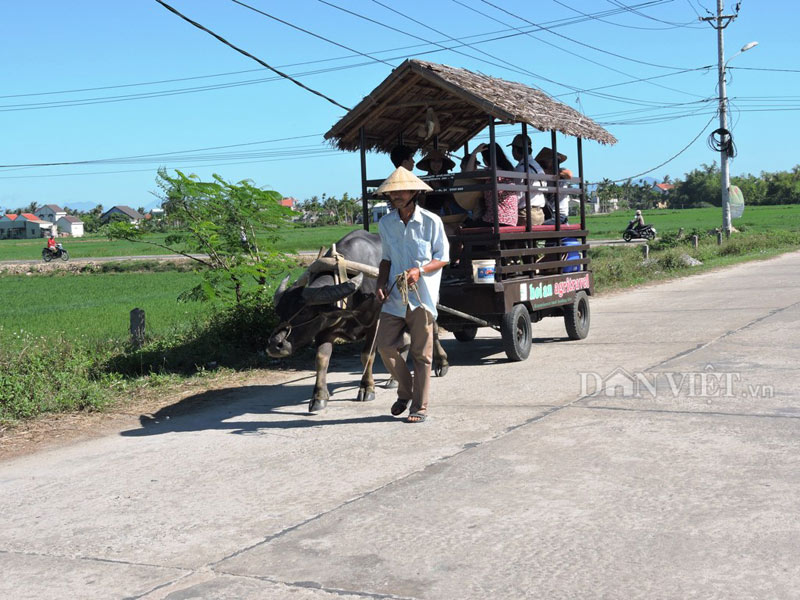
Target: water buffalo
<point>309,315</point>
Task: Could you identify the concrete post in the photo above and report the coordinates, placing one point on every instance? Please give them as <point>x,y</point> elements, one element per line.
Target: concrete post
<point>137,327</point>
<point>695,241</point>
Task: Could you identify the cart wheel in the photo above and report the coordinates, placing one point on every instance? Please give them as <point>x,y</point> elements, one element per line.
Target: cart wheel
<point>467,334</point>
<point>516,331</point>
<point>627,236</point>
<point>577,317</point>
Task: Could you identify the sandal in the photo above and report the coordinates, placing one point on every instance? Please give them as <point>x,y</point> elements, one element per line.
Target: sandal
<point>399,407</point>
<point>416,418</point>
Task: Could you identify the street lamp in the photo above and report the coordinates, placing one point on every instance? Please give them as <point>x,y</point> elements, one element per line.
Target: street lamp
<point>723,125</point>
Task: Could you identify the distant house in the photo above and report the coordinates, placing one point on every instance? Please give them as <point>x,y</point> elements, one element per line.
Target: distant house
<point>664,188</point>
<point>70,225</point>
<point>290,202</point>
<point>134,216</point>
<point>602,206</point>
<point>50,213</point>
<point>26,226</point>
<point>378,210</point>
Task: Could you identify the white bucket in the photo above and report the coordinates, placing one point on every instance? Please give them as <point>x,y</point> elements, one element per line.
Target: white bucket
<point>483,271</point>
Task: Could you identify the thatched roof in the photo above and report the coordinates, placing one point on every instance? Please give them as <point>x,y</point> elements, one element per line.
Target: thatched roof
<point>462,102</point>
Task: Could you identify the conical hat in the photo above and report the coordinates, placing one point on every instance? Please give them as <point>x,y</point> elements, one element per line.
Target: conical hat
<point>403,179</point>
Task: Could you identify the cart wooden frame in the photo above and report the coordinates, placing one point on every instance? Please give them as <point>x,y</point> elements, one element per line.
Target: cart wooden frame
<point>536,274</point>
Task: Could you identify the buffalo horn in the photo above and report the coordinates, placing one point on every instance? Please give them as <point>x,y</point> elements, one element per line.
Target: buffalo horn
<point>332,293</point>
<point>281,288</point>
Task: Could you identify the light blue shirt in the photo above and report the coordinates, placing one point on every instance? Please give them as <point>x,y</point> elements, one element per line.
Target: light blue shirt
<point>419,242</point>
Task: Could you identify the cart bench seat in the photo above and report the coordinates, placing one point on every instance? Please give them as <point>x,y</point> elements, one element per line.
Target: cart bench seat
<point>518,228</point>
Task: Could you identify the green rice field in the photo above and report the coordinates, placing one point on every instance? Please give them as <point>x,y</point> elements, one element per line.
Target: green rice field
<point>755,219</point>
<point>94,307</point>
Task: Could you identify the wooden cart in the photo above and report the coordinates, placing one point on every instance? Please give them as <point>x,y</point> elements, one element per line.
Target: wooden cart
<point>539,271</point>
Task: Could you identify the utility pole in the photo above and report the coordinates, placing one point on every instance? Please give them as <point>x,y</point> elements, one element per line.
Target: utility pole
<point>720,22</point>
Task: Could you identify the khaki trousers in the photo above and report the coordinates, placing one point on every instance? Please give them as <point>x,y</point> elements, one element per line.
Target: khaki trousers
<point>389,341</point>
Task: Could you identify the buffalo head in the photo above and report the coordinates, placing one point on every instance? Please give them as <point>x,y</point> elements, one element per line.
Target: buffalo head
<point>305,311</point>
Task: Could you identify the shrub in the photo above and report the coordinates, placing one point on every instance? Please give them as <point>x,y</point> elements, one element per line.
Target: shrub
<point>53,375</point>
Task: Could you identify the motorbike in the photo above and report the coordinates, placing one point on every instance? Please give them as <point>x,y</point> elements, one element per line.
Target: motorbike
<point>643,232</point>
<point>57,252</point>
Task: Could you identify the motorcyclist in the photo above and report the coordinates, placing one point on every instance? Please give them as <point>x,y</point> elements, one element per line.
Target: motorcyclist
<point>51,244</point>
<point>636,222</point>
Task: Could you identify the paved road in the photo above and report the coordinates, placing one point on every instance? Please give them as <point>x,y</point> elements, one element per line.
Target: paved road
<point>521,484</point>
<point>304,253</point>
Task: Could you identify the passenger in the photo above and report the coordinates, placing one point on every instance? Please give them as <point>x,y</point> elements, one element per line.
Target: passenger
<point>537,197</point>
<point>403,156</point>
<point>443,204</point>
<point>545,158</point>
<point>508,201</point>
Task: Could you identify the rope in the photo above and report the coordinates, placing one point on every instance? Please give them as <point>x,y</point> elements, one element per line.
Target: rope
<point>401,281</point>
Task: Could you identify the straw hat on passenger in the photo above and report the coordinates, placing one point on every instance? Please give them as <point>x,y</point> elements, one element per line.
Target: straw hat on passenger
<point>403,179</point>
<point>425,163</point>
<point>546,155</point>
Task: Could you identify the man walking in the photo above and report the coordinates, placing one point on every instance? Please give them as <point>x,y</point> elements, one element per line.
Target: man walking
<point>415,249</point>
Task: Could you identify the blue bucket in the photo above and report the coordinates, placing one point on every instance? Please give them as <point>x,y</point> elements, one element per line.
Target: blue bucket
<point>572,255</point>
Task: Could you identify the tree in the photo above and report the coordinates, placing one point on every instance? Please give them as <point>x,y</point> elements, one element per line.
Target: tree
<point>220,221</point>
<point>349,208</point>
<point>700,188</point>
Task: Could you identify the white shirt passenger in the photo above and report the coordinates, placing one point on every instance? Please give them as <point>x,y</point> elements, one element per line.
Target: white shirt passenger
<point>537,198</point>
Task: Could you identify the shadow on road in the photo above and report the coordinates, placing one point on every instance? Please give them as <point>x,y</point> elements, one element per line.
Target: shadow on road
<point>218,409</point>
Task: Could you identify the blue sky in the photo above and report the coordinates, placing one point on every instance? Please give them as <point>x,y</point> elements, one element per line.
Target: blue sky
<point>247,124</point>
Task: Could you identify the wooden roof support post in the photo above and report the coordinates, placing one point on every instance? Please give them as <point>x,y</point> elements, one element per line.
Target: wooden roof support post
<point>364,202</point>
<point>556,169</point>
<point>583,188</point>
<point>493,159</point>
<point>526,152</point>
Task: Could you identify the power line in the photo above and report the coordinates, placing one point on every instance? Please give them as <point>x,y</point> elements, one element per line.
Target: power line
<point>247,54</point>
<point>511,66</point>
<point>567,6</point>
<point>649,64</point>
<point>180,91</point>
<point>633,10</point>
<point>162,154</point>
<point>298,157</point>
<point>684,149</point>
<point>311,33</point>
<point>762,69</point>
<point>304,63</point>
<point>575,54</point>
